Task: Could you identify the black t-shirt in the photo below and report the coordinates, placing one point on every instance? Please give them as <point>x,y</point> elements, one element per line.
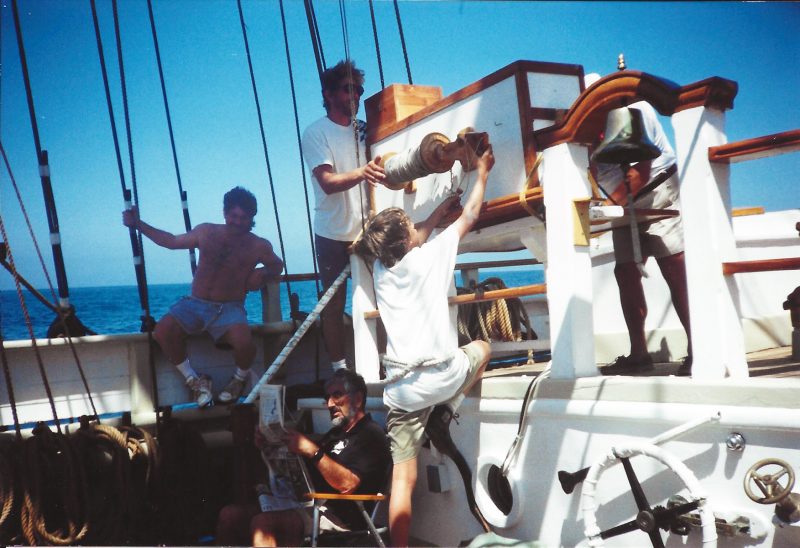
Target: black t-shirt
<point>364,450</point>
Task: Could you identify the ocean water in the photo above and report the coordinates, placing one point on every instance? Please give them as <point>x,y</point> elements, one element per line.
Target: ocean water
<point>116,309</point>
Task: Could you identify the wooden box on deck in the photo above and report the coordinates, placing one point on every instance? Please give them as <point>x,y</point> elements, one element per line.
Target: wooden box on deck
<point>397,101</point>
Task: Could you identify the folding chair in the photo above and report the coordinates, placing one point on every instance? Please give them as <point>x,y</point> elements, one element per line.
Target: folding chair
<point>375,532</point>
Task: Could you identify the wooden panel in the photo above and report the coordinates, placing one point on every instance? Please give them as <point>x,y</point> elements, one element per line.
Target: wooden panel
<point>376,132</point>
<point>398,101</point>
<point>759,147</point>
<point>586,118</point>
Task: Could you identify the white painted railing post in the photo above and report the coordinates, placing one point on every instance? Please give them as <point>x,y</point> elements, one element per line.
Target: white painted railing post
<point>569,267</point>
<point>365,332</point>
<point>717,340</point>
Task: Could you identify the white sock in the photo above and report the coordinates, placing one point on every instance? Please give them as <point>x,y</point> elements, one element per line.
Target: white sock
<point>186,369</point>
<point>341,364</point>
<point>241,374</point>
<point>455,402</point>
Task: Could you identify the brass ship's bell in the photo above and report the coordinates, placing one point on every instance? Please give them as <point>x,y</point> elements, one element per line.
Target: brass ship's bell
<point>625,140</point>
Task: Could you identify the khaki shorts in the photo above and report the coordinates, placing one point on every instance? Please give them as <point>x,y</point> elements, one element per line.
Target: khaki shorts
<point>659,239</point>
<point>407,428</point>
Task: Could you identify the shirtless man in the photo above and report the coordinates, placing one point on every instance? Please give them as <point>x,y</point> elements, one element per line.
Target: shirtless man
<point>227,269</point>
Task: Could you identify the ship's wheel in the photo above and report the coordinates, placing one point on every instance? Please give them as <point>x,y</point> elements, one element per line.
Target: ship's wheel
<point>648,519</point>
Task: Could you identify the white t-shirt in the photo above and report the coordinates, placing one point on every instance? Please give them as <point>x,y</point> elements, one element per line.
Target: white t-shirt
<point>609,176</point>
<point>412,299</point>
<point>337,216</point>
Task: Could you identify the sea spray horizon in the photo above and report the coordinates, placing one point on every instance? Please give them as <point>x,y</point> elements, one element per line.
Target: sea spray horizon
<point>109,310</point>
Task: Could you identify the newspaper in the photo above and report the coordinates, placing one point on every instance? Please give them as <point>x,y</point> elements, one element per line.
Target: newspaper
<point>288,481</point>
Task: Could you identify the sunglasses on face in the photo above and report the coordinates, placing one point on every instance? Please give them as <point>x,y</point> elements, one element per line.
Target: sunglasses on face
<point>348,88</point>
<point>337,396</point>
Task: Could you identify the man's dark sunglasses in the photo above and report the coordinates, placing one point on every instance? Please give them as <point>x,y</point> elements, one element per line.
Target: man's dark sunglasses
<point>359,90</point>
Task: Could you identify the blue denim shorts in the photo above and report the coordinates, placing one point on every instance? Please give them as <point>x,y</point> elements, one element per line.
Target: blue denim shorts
<point>196,316</point>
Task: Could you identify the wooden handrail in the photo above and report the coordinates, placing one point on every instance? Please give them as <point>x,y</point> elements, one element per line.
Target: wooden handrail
<point>759,147</point>
<point>745,211</point>
<point>340,496</point>
<point>497,264</point>
<point>764,265</point>
<point>587,115</point>
<point>507,293</point>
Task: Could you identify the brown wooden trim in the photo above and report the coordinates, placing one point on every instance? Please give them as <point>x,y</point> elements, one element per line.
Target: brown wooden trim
<point>526,123</point>
<point>497,264</point>
<point>765,265</point>
<point>507,293</point>
<point>758,147</point>
<point>340,496</point>
<point>745,211</point>
<point>310,276</point>
<point>375,134</point>
<point>586,118</point>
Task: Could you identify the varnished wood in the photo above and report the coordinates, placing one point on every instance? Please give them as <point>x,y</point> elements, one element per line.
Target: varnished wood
<point>764,265</point>
<point>759,147</point>
<point>745,211</point>
<point>339,496</point>
<point>507,293</point>
<point>586,118</point>
<point>497,264</point>
<point>376,132</point>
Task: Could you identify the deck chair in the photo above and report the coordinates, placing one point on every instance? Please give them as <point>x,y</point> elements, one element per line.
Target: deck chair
<point>336,538</point>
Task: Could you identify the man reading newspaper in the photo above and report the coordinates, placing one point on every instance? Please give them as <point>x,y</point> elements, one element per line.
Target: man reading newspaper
<point>352,457</point>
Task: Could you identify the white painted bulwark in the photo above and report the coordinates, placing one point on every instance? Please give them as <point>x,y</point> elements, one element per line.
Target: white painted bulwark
<point>569,267</point>
<point>364,331</point>
<point>705,200</point>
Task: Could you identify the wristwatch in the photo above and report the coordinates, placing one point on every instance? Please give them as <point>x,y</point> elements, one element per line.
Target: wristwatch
<point>317,456</point>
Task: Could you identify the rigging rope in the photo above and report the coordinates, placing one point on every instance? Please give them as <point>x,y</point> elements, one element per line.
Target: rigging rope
<point>264,145</point>
<point>44,170</point>
<point>377,45</point>
<point>136,242</point>
<point>313,30</point>
<point>17,282</point>
<point>181,192</point>
<point>402,40</point>
<point>300,148</point>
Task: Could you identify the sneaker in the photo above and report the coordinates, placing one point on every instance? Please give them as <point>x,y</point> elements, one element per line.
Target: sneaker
<point>201,390</point>
<point>685,370</point>
<point>233,390</point>
<point>438,429</point>
<point>624,365</point>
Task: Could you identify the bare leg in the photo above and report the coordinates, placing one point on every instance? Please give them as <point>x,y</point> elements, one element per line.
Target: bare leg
<point>233,525</point>
<point>673,268</point>
<point>172,339</point>
<point>283,528</point>
<point>241,339</point>
<point>404,477</point>
<point>333,331</point>
<point>634,307</point>
<point>485,351</point>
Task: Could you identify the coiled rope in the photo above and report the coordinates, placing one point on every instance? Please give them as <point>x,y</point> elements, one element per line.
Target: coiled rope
<point>54,507</point>
<point>104,453</point>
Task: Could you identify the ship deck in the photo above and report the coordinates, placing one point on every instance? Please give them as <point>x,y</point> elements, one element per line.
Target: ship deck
<point>771,362</point>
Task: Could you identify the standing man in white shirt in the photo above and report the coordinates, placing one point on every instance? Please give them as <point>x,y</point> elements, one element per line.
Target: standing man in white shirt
<point>335,153</point>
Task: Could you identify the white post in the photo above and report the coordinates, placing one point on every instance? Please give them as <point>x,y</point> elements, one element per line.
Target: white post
<point>365,331</point>
<point>717,340</point>
<point>569,267</point>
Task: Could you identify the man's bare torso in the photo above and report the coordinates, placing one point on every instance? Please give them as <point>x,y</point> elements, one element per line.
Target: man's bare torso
<point>227,257</point>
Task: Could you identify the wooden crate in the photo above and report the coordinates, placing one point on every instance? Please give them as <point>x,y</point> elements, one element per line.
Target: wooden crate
<point>398,101</point>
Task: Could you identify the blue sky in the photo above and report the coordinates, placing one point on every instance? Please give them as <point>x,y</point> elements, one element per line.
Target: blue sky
<point>450,44</point>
